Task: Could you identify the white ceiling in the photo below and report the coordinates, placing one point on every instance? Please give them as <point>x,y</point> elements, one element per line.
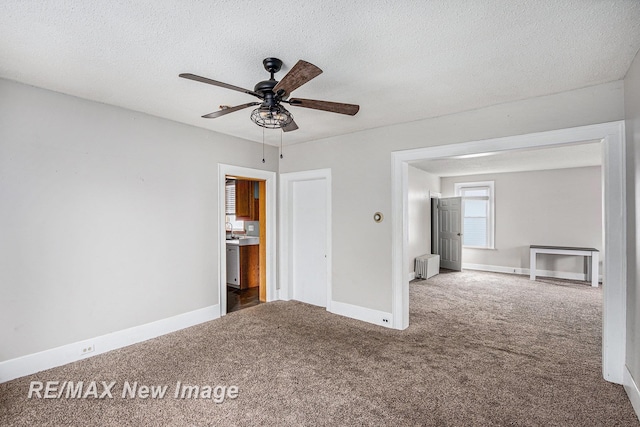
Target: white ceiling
<point>399,60</point>
<point>588,153</point>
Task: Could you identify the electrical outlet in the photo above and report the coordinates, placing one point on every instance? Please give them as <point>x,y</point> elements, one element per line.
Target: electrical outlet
<point>385,320</point>
<point>250,228</point>
<point>87,348</point>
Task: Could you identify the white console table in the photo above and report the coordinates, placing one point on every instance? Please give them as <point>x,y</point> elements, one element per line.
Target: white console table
<point>592,256</point>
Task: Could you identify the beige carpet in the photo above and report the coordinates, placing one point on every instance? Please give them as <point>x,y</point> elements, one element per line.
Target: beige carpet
<point>482,349</point>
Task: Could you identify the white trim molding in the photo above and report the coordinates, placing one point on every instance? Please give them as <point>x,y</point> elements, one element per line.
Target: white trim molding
<point>286,206</point>
<point>365,314</point>
<point>270,178</point>
<point>631,387</point>
<point>612,136</point>
<point>36,362</point>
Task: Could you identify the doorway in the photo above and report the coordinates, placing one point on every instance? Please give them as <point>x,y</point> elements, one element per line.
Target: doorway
<point>614,207</point>
<point>245,210</point>
<point>262,256</point>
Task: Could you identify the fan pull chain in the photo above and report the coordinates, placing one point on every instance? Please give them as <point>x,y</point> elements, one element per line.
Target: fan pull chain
<point>262,145</point>
<point>281,132</point>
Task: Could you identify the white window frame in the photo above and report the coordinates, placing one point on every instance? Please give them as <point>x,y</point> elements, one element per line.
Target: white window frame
<point>491,223</point>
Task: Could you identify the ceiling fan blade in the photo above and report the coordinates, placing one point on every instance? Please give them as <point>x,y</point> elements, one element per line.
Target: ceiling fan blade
<point>300,74</point>
<point>217,83</point>
<point>228,110</point>
<point>290,127</point>
<point>333,107</point>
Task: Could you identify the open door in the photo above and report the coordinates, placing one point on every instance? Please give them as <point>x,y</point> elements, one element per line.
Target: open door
<point>450,233</point>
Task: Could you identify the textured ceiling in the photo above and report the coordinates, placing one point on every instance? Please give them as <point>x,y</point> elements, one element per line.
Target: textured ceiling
<point>400,60</point>
<point>588,153</point>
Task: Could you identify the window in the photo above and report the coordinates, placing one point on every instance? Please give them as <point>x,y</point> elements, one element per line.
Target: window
<point>230,197</point>
<point>230,207</point>
<point>236,225</point>
<point>478,213</point>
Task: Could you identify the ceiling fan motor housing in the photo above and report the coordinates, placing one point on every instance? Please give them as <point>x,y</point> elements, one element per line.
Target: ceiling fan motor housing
<point>265,87</point>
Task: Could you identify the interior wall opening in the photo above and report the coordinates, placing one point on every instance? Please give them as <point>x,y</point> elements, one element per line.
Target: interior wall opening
<point>612,136</point>
<point>245,239</point>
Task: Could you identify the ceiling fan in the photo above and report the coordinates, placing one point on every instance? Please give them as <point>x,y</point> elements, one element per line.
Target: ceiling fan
<point>271,113</point>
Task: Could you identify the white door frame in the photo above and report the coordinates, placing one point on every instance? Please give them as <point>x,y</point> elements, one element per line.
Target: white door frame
<point>286,223</point>
<point>270,178</point>
<point>612,136</point>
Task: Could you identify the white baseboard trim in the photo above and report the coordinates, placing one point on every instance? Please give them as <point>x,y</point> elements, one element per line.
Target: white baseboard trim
<point>631,387</point>
<point>412,275</point>
<point>36,362</point>
<point>526,271</point>
<point>357,312</point>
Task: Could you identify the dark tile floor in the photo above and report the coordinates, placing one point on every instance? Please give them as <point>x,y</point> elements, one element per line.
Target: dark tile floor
<point>238,299</point>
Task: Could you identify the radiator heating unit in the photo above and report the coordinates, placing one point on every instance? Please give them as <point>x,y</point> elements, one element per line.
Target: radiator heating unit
<point>427,266</point>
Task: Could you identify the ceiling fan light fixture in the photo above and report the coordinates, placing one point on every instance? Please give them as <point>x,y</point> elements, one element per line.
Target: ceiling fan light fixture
<point>271,117</point>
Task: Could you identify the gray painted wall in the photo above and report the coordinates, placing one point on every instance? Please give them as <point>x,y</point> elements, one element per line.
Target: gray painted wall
<point>109,217</point>
<point>632,118</point>
<point>112,219</point>
<point>561,207</point>
<point>361,164</point>
<point>420,183</point>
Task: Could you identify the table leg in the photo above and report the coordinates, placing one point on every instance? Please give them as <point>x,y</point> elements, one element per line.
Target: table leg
<point>532,264</point>
<point>595,262</point>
